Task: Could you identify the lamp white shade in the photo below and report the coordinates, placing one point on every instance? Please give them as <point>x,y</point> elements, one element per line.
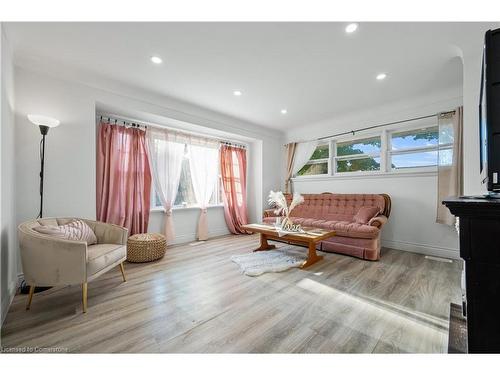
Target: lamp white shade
<point>44,120</point>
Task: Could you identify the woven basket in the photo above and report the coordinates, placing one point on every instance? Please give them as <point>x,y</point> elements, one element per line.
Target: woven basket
<point>146,247</point>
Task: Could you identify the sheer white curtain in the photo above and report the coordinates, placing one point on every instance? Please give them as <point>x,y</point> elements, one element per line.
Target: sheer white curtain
<point>166,152</point>
<point>450,162</point>
<point>203,163</point>
<point>303,153</point>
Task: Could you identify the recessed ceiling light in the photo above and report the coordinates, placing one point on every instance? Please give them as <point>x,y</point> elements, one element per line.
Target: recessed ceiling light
<point>156,59</point>
<point>237,93</point>
<point>352,27</point>
<point>381,76</point>
<point>284,111</point>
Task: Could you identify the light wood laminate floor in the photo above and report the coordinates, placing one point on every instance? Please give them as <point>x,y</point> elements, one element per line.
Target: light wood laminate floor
<point>197,300</point>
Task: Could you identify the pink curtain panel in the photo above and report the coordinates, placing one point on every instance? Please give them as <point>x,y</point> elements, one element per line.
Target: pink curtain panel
<point>123,177</point>
<point>233,171</point>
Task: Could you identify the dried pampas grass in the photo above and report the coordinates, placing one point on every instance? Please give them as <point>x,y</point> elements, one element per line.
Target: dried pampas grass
<point>277,200</point>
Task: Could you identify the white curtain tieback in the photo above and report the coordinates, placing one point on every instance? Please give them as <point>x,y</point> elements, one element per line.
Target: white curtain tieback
<point>169,212</point>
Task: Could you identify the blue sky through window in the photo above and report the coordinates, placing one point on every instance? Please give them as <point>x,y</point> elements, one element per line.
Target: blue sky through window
<point>425,137</point>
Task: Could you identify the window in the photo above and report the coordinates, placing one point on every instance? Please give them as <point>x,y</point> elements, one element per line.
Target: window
<point>358,155</point>
<point>411,150</point>
<point>416,148</point>
<point>318,164</point>
<point>185,192</point>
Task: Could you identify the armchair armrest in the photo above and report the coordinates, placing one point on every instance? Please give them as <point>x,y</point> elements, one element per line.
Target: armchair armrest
<point>108,233</point>
<point>269,213</point>
<point>378,221</point>
<point>49,260</point>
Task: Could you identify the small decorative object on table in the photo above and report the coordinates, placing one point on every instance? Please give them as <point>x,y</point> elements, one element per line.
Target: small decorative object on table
<point>278,200</point>
<point>146,247</point>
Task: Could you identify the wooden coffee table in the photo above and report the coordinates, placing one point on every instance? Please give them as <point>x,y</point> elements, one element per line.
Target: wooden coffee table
<point>310,238</point>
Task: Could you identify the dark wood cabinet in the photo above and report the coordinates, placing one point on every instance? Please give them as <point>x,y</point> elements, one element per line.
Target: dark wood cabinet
<point>480,249</point>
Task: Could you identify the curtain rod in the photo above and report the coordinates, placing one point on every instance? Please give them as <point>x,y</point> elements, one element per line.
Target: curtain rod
<point>232,144</point>
<point>125,123</point>
<point>353,132</point>
<point>131,121</point>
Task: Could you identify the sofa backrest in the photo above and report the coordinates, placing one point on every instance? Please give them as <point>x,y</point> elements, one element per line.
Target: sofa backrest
<point>340,207</point>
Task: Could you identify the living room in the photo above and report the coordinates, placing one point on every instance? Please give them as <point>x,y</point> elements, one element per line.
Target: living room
<point>176,187</point>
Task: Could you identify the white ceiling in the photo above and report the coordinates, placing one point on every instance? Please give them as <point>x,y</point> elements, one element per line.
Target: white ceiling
<point>315,70</point>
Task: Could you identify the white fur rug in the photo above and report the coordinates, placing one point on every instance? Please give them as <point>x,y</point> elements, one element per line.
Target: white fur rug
<point>259,262</point>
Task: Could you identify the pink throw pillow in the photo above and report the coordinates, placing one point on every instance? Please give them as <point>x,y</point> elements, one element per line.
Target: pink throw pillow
<point>76,230</point>
<point>365,214</point>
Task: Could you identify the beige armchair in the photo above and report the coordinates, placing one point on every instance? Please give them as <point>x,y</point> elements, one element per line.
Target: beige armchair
<point>51,261</point>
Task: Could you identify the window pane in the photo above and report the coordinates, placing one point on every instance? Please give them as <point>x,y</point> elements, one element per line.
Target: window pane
<point>312,169</point>
<point>157,200</point>
<point>185,192</point>
<point>216,197</point>
<point>353,165</point>
<point>445,156</point>
<point>446,134</point>
<point>212,198</point>
<point>359,146</point>
<point>414,160</point>
<point>415,138</point>
<point>321,152</point>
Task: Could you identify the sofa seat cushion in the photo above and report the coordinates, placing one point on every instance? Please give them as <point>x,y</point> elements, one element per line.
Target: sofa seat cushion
<point>308,222</point>
<point>102,255</point>
<point>305,222</point>
<point>269,220</point>
<point>342,228</point>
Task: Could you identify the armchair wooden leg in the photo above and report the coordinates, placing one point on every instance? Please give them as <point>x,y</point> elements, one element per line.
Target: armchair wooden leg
<point>84,297</point>
<point>123,272</point>
<point>30,297</point>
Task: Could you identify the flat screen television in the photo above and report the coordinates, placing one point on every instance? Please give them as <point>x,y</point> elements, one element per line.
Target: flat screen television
<point>489,113</point>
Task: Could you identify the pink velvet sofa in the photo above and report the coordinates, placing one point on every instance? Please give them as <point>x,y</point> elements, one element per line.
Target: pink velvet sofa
<point>338,212</point>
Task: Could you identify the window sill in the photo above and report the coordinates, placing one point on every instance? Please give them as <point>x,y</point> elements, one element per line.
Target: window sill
<point>422,172</point>
<point>180,208</point>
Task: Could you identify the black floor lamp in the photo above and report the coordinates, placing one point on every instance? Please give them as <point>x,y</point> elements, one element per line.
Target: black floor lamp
<point>44,123</point>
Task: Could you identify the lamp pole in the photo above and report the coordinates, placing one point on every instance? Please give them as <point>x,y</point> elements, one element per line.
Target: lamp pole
<point>44,130</point>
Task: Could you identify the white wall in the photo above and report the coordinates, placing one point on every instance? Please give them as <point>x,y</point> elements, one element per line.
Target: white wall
<point>70,152</point>
<point>9,254</point>
<point>411,226</point>
<point>471,58</point>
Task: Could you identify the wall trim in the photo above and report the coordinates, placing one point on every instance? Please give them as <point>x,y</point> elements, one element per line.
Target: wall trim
<point>190,237</point>
<point>442,252</point>
<point>7,301</point>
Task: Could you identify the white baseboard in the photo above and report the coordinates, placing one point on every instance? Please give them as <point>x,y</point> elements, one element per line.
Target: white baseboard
<point>190,237</point>
<point>442,252</point>
<point>7,300</point>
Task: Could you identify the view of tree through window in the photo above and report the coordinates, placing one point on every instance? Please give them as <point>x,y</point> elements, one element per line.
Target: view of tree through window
<point>321,152</point>
<point>185,192</point>
<point>318,164</point>
<point>415,138</point>
<point>348,161</point>
<point>403,149</point>
<point>416,148</point>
